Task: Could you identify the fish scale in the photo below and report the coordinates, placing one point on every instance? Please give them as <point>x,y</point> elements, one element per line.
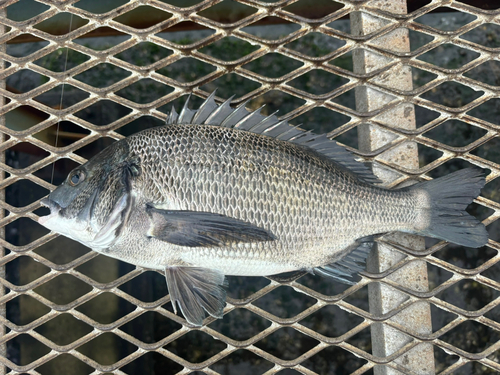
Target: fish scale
<point>312,187</point>
<point>220,191</point>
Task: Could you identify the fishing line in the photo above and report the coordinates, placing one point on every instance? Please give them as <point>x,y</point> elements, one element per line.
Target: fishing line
<point>62,95</point>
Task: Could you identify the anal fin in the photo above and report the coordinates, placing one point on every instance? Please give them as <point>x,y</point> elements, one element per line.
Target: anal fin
<point>350,264</point>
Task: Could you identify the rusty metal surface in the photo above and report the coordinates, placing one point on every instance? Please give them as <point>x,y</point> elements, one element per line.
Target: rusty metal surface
<point>3,347</point>
<point>226,14</point>
<point>482,275</point>
<point>383,299</point>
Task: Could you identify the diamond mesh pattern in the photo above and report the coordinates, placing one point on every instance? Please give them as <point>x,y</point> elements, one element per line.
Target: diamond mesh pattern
<point>53,284</point>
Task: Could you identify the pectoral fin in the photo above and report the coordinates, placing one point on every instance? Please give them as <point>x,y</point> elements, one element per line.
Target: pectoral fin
<point>196,290</point>
<point>202,229</point>
<point>115,222</point>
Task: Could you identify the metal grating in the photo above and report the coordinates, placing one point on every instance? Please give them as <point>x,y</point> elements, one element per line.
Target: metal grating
<point>52,285</point>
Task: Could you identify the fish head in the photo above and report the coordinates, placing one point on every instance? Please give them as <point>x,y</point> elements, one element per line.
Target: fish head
<point>92,194</point>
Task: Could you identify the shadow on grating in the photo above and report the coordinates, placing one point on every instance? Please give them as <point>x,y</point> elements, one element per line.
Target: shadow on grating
<point>242,362</point>
<point>61,363</point>
<point>152,363</point>
<point>232,327</point>
<point>287,343</point>
<point>196,346</point>
<point>344,362</point>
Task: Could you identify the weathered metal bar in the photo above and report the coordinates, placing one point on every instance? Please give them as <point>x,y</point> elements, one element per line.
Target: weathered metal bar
<point>3,310</point>
<point>229,12</point>
<point>383,299</point>
<point>412,316</point>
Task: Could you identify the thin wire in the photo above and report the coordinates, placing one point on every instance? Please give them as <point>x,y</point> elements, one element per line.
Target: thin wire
<point>61,101</point>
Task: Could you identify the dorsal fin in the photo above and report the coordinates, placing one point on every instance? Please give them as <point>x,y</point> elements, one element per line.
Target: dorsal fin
<point>210,113</point>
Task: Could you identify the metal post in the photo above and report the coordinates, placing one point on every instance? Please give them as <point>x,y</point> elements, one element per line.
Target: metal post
<point>383,298</point>
<point>3,49</point>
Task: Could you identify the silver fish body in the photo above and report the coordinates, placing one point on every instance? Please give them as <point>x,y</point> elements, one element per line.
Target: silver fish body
<point>300,197</point>
<point>222,191</point>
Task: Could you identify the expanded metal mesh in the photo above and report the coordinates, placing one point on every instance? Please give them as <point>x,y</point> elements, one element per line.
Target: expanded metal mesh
<point>69,310</point>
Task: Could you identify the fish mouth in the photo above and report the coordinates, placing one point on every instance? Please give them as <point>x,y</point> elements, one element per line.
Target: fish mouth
<point>54,210</point>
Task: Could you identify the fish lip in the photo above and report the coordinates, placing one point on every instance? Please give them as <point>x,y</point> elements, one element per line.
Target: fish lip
<point>52,205</point>
<point>54,210</point>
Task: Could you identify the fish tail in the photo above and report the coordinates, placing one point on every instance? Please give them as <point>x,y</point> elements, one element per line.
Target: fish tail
<point>448,198</point>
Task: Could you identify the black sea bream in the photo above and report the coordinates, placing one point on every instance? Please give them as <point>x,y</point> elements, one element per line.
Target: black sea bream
<point>222,191</point>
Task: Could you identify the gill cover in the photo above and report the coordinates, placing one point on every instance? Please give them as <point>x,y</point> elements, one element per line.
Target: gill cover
<point>93,203</point>
<point>118,217</point>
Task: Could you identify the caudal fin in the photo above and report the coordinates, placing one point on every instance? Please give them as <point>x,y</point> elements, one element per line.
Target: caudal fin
<point>449,197</point>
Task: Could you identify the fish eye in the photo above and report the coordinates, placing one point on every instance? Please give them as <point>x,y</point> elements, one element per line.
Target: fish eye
<point>76,178</point>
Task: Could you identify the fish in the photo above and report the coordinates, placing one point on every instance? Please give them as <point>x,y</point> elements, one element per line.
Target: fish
<point>223,191</point>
